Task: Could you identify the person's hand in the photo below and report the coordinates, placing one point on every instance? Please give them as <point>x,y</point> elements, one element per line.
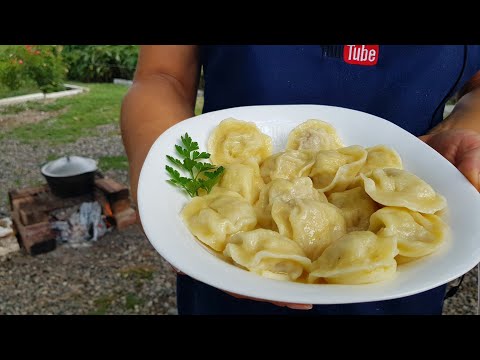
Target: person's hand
<point>282,304</point>
<point>278,303</point>
<point>462,148</point>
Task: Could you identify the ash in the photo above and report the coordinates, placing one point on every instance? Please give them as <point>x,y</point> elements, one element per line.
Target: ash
<point>80,225</point>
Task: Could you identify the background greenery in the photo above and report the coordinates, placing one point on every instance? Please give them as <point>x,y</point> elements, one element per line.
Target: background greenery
<point>47,70</point>
<point>100,63</point>
<point>32,66</point>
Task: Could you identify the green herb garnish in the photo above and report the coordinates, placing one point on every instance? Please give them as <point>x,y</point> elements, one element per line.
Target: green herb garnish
<point>202,175</point>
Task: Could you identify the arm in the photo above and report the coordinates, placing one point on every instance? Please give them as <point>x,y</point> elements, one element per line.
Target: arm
<point>163,93</point>
<point>457,138</point>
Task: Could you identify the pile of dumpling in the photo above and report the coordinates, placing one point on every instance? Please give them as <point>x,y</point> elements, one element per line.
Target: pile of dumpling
<point>318,212</point>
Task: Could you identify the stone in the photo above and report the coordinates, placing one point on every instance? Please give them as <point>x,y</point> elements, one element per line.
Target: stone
<point>8,240</point>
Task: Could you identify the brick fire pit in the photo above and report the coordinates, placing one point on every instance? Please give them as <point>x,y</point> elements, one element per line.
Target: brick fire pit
<point>32,211</point>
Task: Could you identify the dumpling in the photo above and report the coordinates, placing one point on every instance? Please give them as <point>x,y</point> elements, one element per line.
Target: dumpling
<point>359,257</point>
<point>395,187</point>
<point>314,135</point>
<point>213,217</point>
<point>238,141</point>
<point>334,170</point>
<point>380,157</point>
<point>310,223</point>
<point>285,190</point>
<point>288,165</point>
<point>356,207</point>
<point>267,253</point>
<point>416,234</point>
<point>243,178</point>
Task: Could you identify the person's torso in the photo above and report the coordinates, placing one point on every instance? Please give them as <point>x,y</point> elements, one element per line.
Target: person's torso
<point>408,85</point>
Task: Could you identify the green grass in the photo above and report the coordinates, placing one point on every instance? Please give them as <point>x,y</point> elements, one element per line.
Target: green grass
<point>199,106</point>
<point>131,300</point>
<point>83,113</point>
<point>27,89</point>
<point>31,105</point>
<point>138,272</point>
<point>51,157</point>
<point>102,304</point>
<point>113,163</point>
<point>100,106</point>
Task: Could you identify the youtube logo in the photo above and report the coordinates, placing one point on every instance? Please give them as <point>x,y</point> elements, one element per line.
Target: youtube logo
<point>366,55</point>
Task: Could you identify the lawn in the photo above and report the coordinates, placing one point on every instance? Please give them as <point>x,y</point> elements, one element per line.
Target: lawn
<point>83,113</point>
<point>100,106</point>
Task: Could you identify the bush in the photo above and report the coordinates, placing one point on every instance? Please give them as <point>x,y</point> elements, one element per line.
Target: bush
<point>40,64</point>
<point>100,63</point>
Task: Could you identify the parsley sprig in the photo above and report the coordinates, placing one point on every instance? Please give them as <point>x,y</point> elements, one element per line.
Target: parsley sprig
<point>202,175</point>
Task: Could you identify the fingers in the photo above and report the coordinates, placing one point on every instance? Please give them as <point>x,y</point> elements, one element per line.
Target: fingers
<point>277,303</point>
<point>176,270</point>
<point>425,138</point>
<point>294,306</point>
<point>469,166</point>
<point>462,148</point>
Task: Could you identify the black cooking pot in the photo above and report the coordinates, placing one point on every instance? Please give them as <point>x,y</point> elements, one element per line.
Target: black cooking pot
<point>70,175</point>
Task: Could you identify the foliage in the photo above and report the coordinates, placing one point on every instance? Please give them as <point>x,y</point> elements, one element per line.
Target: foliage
<point>38,64</point>
<point>100,63</point>
<point>202,175</point>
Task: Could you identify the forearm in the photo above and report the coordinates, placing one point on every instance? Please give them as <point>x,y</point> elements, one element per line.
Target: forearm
<point>151,106</point>
<point>465,115</point>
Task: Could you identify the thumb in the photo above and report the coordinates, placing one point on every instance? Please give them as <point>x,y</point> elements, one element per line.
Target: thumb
<point>425,138</point>
<point>469,166</point>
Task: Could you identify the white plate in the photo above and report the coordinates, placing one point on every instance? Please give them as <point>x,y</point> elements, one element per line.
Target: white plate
<point>160,205</point>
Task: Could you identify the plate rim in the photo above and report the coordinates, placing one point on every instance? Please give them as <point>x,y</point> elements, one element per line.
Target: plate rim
<point>227,287</point>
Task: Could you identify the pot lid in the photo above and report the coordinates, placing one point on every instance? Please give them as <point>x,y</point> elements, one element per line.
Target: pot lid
<point>69,166</point>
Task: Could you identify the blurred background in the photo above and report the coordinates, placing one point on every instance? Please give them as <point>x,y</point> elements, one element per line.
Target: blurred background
<point>63,252</point>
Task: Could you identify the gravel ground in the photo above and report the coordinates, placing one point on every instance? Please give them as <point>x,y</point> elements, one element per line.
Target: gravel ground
<point>119,274</point>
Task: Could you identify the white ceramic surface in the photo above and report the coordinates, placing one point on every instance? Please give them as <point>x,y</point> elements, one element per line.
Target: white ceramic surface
<point>160,205</point>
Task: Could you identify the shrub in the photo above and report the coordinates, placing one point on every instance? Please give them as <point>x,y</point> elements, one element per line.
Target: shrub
<point>40,64</point>
<point>100,63</point>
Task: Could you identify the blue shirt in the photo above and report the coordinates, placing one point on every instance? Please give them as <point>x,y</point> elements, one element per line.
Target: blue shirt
<point>407,85</point>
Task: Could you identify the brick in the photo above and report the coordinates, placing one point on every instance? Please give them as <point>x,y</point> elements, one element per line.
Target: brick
<point>126,218</point>
<point>25,195</point>
<point>43,247</point>
<point>110,186</point>
<point>47,202</point>
<point>16,204</point>
<point>32,217</point>
<point>113,190</point>
<point>20,193</point>
<point>31,235</point>
<point>120,205</point>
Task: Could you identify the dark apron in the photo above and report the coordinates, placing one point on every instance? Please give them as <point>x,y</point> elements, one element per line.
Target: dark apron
<point>407,85</point>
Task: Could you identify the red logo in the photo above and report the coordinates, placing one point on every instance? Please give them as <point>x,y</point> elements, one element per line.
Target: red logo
<point>366,55</point>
